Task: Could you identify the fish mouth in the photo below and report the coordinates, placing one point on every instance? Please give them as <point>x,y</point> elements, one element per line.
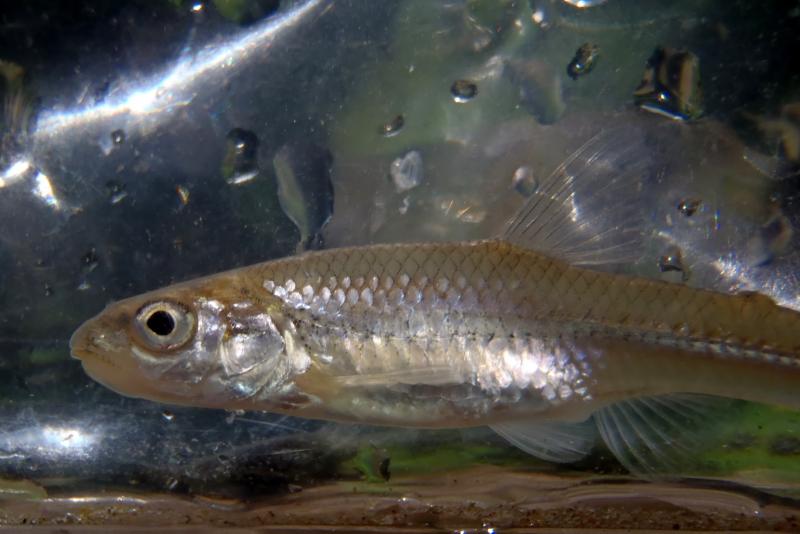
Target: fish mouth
<point>118,375</point>
<point>96,363</point>
<point>80,341</point>
<point>111,367</point>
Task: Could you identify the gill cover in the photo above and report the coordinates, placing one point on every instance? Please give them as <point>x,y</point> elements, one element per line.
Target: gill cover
<point>251,339</point>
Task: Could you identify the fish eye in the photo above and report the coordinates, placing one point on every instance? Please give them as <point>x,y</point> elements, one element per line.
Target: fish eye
<point>164,325</point>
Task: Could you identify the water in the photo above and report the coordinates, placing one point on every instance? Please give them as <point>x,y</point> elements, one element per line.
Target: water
<point>149,145</point>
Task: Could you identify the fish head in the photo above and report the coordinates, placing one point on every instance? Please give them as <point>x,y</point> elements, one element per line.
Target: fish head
<point>206,343</point>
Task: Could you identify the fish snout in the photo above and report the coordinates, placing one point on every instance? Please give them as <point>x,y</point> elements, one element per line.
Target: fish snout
<point>80,341</point>
<point>97,337</point>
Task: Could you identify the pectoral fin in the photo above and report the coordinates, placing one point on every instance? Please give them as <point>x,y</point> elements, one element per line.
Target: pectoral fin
<point>550,440</point>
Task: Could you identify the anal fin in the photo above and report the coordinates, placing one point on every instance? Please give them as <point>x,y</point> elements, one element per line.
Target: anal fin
<point>553,441</point>
<point>661,435</point>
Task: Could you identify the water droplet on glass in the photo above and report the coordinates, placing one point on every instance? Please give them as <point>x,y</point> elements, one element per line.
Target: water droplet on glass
<point>407,172</point>
<point>90,260</point>
<point>672,262</point>
<point>688,206</point>
<point>241,157</point>
<point>669,263</point>
<point>583,61</point>
<point>770,240</point>
<point>524,181</point>
<point>168,415</point>
<point>403,209</point>
<point>670,85</point>
<point>481,42</point>
<point>463,91</point>
<point>118,137</point>
<point>116,191</point>
<point>393,127</point>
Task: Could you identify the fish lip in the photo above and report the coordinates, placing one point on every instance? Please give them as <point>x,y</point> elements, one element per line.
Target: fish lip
<point>78,342</point>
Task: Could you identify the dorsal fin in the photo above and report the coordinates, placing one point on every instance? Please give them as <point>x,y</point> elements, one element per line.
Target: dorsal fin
<point>583,212</point>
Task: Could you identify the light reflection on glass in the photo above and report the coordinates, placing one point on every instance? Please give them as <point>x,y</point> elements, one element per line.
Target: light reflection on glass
<point>583,4</point>
<point>43,189</point>
<point>15,172</point>
<point>66,439</point>
<point>173,88</point>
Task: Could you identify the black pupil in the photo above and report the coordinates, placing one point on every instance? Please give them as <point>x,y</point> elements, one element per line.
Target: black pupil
<point>161,323</point>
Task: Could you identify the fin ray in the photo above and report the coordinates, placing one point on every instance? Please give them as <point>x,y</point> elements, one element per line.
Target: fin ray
<point>659,435</point>
<point>553,441</point>
<point>581,212</point>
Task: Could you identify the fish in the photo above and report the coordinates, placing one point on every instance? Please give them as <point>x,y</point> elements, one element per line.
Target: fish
<point>540,333</point>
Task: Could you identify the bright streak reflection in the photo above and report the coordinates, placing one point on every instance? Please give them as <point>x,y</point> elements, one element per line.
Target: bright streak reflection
<point>66,439</point>
<point>583,4</point>
<point>15,172</point>
<point>43,189</point>
<point>173,87</point>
